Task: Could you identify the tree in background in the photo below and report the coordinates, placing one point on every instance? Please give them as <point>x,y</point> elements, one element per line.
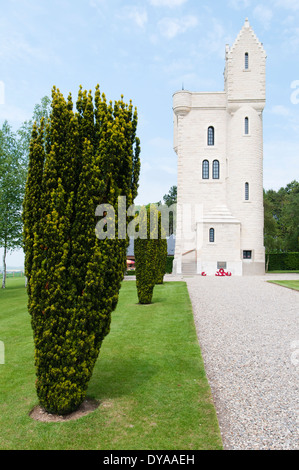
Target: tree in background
<point>41,110</point>
<point>78,160</point>
<point>14,155</point>
<point>12,177</point>
<point>171,199</point>
<point>282,219</point>
<point>290,217</point>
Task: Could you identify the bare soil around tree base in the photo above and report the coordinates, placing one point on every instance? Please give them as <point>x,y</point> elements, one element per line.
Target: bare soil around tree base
<point>40,414</point>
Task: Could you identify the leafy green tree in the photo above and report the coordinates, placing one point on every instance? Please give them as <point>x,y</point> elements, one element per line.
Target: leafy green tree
<point>272,239</point>
<point>11,193</point>
<point>41,110</point>
<point>282,218</point>
<point>170,199</point>
<point>290,217</point>
<point>78,161</point>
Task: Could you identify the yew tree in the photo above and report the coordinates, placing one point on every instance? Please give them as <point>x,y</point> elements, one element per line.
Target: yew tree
<point>79,158</point>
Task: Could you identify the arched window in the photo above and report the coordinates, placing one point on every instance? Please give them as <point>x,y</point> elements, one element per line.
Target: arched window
<point>246,191</point>
<point>246,61</point>
<point>205,170</point>
<point>211,135</point>
<point>246,126</point>
<point>212,235</point>
<point>216,170</point>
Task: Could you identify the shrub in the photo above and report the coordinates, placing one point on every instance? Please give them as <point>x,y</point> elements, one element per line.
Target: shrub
<point>145,251</point>
<point>77,161</point>
<point>283,261</point>
<point>169,263</point>
<point>161,256</point>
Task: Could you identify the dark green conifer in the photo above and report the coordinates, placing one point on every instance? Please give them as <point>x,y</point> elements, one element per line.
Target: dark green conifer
<point>88,157</point>
<point>145,251</point>
<point>161,257</point>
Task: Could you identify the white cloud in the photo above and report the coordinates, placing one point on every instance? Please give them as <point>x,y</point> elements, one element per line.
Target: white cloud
<point>138,15</point>
<point>167,3</point>
<point>291,41</point>
<point>239,4</point>
<point>281,163</point>
<point>13,114</point>
<point>161,143</point>
<point>287,118</point>
<point>214,40</point>
<point>288,4</point>
<point>263,14</point>
<point>281,111</point>
<point>99,5</point>
<point>171,27</point>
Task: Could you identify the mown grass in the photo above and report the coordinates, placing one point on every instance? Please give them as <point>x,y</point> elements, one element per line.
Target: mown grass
<point>149,378</point>
<point>289,284</point>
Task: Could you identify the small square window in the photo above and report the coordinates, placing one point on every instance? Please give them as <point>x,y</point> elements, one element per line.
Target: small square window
<point>221,265</point>
<point>247,254</point>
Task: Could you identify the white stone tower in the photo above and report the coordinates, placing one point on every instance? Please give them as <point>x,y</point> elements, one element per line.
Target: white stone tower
<point>218,138</point>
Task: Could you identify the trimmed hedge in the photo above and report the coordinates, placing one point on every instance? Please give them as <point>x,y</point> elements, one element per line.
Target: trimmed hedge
<point>283,261</point>
<point>161,256</point>
<point>169,263</point>
<point>145,261</point>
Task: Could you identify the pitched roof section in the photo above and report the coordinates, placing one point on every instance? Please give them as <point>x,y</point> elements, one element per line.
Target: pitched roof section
<point>246,28</point>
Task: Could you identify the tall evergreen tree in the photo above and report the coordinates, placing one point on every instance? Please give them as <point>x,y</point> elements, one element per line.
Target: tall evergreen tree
<point>146,252</point>
<point>161,257</point>
<point>81,160</point>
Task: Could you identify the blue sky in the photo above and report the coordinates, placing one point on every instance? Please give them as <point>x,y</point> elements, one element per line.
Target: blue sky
<point>146,50</point>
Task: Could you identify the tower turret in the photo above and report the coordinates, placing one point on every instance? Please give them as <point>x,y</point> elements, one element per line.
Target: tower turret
<point>245,71</point>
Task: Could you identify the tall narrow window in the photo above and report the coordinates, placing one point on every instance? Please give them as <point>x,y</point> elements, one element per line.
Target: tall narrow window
<point>205,170</point>
<point>246,61</point>
<point>212,235</point>
<point>216,170</point>
<point>246,191</point>
<point>211,135</point>
<point>246,125</point>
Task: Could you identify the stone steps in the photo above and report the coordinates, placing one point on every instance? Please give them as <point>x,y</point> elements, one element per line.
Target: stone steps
<point>189,268</point>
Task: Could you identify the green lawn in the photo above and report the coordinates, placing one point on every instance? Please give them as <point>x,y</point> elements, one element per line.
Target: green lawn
<point>149,378</point>
<point>290,284</point>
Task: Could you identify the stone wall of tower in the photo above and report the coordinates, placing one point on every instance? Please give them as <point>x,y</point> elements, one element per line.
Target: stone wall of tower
<point>246,99</point>
<point>238,222</point>
<point>243,84</point>
<point>190,143</point>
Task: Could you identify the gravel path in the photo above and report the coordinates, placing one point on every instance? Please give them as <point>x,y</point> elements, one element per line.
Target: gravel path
<point>248,331</point>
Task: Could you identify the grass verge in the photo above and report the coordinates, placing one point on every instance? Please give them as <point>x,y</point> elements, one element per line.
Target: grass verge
<point>149,378</point>
<point>290,284</point>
